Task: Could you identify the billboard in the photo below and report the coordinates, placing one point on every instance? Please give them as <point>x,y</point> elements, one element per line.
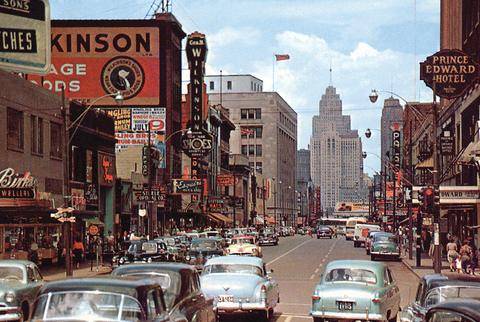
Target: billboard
<point>25,36</point>
<point>91,61</point>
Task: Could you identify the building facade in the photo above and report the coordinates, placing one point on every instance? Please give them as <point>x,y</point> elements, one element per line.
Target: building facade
<point>304,180</point>
<point>217,84</point>
<point>392,113</point>
<point>266,132</point>
<point>336,153</point>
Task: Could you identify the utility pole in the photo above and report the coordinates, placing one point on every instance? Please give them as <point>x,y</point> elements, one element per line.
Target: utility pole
<point>149,201</point>
<point>412,179</point>
<point>385,193</point>
<point>437,262</point>
<point>264,195</point>
<point>67,226</point>
<point>394,174</point>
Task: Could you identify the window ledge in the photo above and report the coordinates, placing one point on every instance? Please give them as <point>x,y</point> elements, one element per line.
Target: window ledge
<point>40,155</point>
<point>55,158</point>
<point>11,148</point>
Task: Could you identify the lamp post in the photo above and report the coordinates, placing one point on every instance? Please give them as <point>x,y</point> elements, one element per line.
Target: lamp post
<point>66,140</point>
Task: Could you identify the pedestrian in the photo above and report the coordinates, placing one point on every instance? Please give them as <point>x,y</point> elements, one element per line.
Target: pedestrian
<point>428,239</point>
<point>452,253</point>
<point>78,251</point>
<point>110,242</point>
<point>465,256</point>
<point>474,257</point>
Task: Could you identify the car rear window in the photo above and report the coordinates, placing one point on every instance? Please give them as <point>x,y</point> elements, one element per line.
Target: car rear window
<point>351,275</point>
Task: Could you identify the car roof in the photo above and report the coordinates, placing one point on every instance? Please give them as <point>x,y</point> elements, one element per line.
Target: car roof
<point>233,259</point>
<point>366,264</point>
<point>202,239</point>
<point>125,285</point>
<point>437,280</point>
<point>469,307</point>
<point>175,267</point>
<point>16,262</point>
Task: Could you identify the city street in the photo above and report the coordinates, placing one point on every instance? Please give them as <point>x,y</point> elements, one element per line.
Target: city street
<point>299,261</point>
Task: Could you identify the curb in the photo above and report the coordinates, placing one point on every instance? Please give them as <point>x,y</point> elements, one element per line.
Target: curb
<point>407,265</point>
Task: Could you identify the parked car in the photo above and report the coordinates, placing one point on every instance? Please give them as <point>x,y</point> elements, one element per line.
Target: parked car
<point>356,290</point>
<point>20,282</point>
<point>267,237</point>
<point>384,245</point>
<point>464,310</point>
<point>244,245</point>
<point>368,241</point>
<point>202,249</point>
<point>181,288</point>
<point>101,299</point>
<point>434,289</point>
<point>324,232</point>
<point>240,284</point>
<point>361,232</point>
<point>142,251</point>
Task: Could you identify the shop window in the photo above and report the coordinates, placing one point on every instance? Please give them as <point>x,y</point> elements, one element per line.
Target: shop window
<point>14,129</point>
<point>36,128</point>
<point>56,140</point>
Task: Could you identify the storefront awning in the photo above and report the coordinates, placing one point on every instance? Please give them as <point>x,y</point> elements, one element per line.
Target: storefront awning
<point>220,218</point>
<point>472,150</point>
<point>425,164</point>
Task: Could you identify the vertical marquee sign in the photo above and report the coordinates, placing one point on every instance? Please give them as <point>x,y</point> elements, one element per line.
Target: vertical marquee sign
<point>396,145</point>
<point>197,142</point>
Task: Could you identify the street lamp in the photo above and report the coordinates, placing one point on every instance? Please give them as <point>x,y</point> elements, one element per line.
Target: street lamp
<point>373,96</point>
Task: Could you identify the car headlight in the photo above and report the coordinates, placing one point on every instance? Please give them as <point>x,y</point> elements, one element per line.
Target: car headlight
<point>188,258</point>
<point>9,297</point>
<point>149,260</point>
<point>121,260</point>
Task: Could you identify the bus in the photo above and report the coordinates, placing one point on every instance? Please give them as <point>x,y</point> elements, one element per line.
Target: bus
<point>350,226</point>
<point>340,223</point>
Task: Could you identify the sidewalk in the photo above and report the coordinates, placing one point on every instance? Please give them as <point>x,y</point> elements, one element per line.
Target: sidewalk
<point>427,265</point>
<point>53,273</point>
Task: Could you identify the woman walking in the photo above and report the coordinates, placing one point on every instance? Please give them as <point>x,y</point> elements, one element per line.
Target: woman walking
<point>452,254</point>
<point>78,251</point>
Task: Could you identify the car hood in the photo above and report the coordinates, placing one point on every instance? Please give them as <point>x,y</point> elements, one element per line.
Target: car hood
<point>11,286</point>
<point>238,285</point>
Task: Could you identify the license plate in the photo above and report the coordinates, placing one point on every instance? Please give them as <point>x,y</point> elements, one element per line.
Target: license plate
<point>225,298</point>
<point>345,306</point>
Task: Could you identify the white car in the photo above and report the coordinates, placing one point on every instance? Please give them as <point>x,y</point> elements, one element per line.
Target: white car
<point>361,233</point>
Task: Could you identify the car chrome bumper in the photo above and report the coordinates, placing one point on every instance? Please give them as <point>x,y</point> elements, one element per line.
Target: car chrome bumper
<point>232,307</point>
<point>385,254</point>
<point>347,315</point>
<point>12,313</point>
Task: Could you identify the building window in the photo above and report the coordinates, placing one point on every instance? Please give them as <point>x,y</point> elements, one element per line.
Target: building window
<point>251,86</point>
<point>36,127</point>
<point>243,113</point>
<point>251,164</point>
<point>251,114</point>
<point>212,86</point>
<point>258,113</point>
<point>259,150</point>
<point>14,129</point>
<point>259,167</point>
<point>244,149</point>
<point>251,149</point>
<point>258,132</point>
<point>55,140</point>
<point>229,84</point>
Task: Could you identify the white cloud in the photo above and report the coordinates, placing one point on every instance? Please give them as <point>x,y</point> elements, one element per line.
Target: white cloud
<point>229,35</point>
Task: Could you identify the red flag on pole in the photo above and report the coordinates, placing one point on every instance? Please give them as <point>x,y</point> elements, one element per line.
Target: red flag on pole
<point>282,57</point>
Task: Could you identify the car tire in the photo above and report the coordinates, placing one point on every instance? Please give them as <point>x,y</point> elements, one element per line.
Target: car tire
<point>264,316</point>
<point>393,319</point>
<point>318,320</point>
<point>25,311</point>
<point>373,258</point>
<point>367,251</point>
<point>318,237</point>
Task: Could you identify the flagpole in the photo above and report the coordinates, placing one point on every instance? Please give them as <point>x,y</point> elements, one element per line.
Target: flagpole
<point>273,74</point>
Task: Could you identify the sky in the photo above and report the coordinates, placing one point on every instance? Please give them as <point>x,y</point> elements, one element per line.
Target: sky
<point>370,44</point>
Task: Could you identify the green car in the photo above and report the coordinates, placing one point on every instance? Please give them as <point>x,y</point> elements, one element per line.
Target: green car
<point>356,290</point>
<point>20,282</point>
<point>384,245</point>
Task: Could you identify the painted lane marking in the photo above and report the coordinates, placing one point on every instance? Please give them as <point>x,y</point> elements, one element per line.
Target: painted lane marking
<point>316,270</point>
<point>291,250</point>
<point>312,277</point>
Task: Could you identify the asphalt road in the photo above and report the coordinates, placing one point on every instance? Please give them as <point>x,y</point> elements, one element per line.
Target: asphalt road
<point>299,261</point>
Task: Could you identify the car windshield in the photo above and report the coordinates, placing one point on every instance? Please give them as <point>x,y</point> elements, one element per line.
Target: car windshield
<point>384,238</point>
<point>87,306</point>
<point>204,244</point>
<point>441,294</point>
<point>11,273</point>
<point>233,269</point>
<point>169,241</point>
<point>170,283</point>
<point>243,241</point>
<point>351,275</point>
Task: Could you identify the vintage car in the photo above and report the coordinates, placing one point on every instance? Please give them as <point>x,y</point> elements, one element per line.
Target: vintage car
<point>384,245</point>
<point>142,251</point>
<point>361,232</point>
<point>240,284</point>
<point>434,289</point>
<point>201,250</point>
<point>268,237</point>
<point>464,310</point>
<point>20,282</point>
<point>324,232</point>
<point>181,288</point>
<point>368,240</point>
<point>244,245</point>
<point>356,290</point>
<point>101,299</point>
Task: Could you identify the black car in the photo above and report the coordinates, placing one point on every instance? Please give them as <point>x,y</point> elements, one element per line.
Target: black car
<point>180,284</point>
<point>142,251</point>
<point>267,237</point>
<point>201,250</point>
<point>436,288</point>
<point>464,310</point>
<point>101,299</point>
<point>324,232</point>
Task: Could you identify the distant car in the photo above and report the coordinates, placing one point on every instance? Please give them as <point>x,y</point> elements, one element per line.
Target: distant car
<point>384,245</point>
<point>201,250</point>
<point>361,232</point>
<point>464,310</point>
<point>368,241</point>
<point>244,245</point>
<point>434,289</point>
<point>268,237</point>
<point>101,299</point>
<point>20,282</point>
<point>142,251</point>
<point>181,288</point>
<point>324,232</point>
<point>356,290</point>
<point>240,284</point>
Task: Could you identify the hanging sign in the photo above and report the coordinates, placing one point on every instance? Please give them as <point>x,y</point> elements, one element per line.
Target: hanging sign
<point>449,72</point>
<point>187,186</point>
<point>197,143</point>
